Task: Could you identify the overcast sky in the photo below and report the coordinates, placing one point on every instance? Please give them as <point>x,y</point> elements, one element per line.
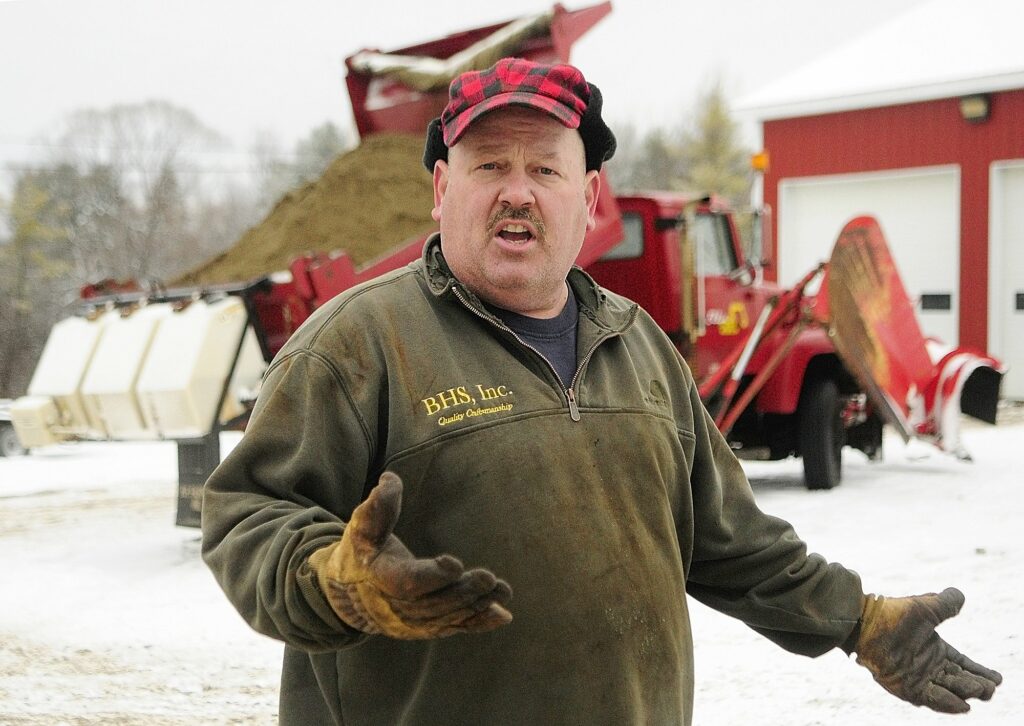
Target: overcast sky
<point>256,67</point>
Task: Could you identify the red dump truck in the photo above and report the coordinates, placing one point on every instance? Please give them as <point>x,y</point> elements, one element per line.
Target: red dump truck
<point>799,372</point>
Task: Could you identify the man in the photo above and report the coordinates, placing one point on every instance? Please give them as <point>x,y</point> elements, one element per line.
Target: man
<point>490,405</point>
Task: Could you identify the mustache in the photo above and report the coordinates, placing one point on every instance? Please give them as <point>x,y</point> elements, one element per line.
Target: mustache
<point>516,214</point>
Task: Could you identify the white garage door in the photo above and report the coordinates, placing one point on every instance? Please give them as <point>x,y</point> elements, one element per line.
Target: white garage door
<point>919,212</point>
<point>1006,273</point>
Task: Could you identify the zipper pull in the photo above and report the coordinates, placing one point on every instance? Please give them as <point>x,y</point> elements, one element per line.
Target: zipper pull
<point>574,411</point>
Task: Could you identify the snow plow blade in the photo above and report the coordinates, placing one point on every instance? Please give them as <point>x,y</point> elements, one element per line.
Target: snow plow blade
<point>918,385</point>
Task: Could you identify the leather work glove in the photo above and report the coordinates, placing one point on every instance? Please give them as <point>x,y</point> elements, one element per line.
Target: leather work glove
<point>376,585</point>
<point>900,647</point>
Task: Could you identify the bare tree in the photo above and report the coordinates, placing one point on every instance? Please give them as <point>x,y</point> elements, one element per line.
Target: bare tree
<point>316,151</point>
<point>272,171</point>
<point>90,211</point>
<point>148,146</point>
<point>277,171</point>
<point>133,191</point>
<point>649,161</point>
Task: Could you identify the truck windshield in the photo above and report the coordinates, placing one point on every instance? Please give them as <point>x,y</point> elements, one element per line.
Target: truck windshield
<point>632,244</point>
<point>711,235</point>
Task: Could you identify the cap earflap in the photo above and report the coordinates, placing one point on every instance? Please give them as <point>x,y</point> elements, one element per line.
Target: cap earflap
<point>435,148</point>
<point>598,140</point>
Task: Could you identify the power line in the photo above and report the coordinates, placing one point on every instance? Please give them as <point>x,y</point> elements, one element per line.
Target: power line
<point>182,171</point>
<point>116,148</point>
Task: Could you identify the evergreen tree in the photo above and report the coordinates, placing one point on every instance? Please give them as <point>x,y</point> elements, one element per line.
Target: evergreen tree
<point>31,283</point>
<point>713,159</point>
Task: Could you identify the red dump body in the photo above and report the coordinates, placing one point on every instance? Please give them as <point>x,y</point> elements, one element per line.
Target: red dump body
<point>385,103</point>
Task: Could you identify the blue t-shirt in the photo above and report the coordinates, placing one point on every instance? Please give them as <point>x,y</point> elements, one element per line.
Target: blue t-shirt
<point>554,338</point>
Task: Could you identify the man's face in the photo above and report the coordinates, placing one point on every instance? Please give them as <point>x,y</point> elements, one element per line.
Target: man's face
<point>514,202</point>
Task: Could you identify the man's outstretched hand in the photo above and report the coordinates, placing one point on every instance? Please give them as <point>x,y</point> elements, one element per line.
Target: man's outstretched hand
<point>900,647</point>
<point>376,585</point>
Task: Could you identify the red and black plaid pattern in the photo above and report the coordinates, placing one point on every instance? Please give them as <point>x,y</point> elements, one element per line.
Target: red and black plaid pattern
<point>559,90</point>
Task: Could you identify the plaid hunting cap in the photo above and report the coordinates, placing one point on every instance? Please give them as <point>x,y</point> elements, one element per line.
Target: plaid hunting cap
<point>560,91</point>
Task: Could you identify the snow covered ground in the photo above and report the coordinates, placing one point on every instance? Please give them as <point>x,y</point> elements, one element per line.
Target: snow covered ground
<point>108,616</point>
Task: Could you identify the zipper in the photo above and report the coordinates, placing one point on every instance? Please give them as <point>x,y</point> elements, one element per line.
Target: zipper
<point>568,393</point>
<point>574,410</point>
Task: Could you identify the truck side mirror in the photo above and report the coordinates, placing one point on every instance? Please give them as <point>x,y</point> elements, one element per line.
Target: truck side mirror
<point>754,228</point>
<point>760,252</point>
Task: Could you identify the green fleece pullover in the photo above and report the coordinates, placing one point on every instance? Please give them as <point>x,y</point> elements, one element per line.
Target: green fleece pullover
<point>602,506</point>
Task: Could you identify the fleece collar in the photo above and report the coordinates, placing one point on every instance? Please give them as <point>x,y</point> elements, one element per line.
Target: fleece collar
<point>610,312</point>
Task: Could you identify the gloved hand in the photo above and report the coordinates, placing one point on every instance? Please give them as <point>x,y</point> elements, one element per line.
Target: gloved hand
<point>376,585</point>
<point>900,647</point>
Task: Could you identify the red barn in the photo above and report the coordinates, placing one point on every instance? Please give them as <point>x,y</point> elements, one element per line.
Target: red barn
<point>921,124</point>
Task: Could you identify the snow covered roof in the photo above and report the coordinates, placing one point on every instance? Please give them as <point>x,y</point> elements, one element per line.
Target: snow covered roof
<point>939,49</point>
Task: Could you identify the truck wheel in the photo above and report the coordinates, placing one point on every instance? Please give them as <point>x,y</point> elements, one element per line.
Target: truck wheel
<point>821,434</point>
<point>9,444</point>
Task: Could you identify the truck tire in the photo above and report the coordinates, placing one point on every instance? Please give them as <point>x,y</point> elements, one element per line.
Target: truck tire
<point>9,444</point>
<point>821,433</point>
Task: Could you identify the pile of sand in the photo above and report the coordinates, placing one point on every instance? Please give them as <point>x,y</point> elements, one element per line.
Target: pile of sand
<point>368,201</point>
